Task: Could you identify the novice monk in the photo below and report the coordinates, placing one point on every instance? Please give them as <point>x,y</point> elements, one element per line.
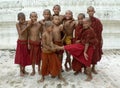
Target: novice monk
<point>69,26</point>
<point>35,42</point>
<point>47,17</point>
<point>56,10</point>
<point>83,51</point>
<point>57,38</point>
<point>50,62</point>
<point>98,28</point>
<point>76,65</point>
<point>22,55</point>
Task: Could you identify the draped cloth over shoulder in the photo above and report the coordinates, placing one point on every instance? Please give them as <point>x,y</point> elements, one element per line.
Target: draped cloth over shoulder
<point>98,28</point>
<point>77,50</point>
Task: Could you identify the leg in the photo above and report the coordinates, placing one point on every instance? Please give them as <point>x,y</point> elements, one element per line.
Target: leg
<point>61,78</point>
<point>93,69</point>
<point>89,75</point>
<point>42,79</point>
<point>33,70</point>
<point>25,72</point>
<point>39,69</point>
<point>61,58</point>
<point>68,60</point>
<point>76,72</point>
<point>85,72</point>
<point>21,71</point>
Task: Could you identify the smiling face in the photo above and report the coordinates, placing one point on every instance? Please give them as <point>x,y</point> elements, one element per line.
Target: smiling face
<point>56,9</point>
<point>68,15</point>
<point>86,23</point>
<point>33,17</point>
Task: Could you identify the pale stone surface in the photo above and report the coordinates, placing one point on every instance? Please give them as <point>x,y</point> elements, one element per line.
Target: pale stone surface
<point>108,74</point>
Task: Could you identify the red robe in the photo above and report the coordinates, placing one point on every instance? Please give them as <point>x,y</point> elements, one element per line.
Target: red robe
<point>77,50</point>
<point>76,65</point>
<point>98,28</point>
<point>35,52</point>
<point>78,30</point>
<point>22,53</point>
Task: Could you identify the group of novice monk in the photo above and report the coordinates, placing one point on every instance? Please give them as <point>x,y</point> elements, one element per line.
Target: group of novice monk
<point>45,41</point>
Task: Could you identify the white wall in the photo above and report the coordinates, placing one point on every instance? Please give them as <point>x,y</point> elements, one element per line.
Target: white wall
<point>107,11</point>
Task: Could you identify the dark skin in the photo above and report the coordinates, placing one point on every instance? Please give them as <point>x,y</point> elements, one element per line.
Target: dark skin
<point>47,17</point>
<point>22,35</point>
<point>57,28</point>
<point>34,35</point>
<point>69,26</point>
<point>48,46</point>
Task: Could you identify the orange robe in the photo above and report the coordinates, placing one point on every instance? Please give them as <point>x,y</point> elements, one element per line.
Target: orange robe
<point>77,50</point>
<point>22,53</point>
<point>98,28</point>
<point>50,64</point>
<point>35,52</point>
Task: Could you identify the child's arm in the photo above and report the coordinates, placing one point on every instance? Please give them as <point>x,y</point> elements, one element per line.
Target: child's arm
<point>18,29</point>
<point>85,51</point>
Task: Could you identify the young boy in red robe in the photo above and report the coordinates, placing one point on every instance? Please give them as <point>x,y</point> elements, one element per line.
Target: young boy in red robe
<point>34,42</point>
<point>76,65</point>
<point>98,28</point>
<point>83,51</point>
<point>22,54</point>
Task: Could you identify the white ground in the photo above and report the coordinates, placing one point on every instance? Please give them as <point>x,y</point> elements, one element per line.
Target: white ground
<point>108,77</point>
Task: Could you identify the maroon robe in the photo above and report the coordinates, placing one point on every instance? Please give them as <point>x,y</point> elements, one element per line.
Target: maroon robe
<point>77,50</point>
<point>76,65</point>
<point>22,53</point>
<point>35,52</point>
<point>98,28</point>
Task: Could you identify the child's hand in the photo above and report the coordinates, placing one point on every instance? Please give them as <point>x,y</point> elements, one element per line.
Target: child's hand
<point>29,23</point>
<point>86,56</point>
<point>28,46</point>
<point>78,41</point>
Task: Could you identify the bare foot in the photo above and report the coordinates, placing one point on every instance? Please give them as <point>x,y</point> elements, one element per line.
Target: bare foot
<point>39,72</point>
<point>25,72</point>
<point>89,78</point>
<point>21,74</point>
<point>77,72</point>
<point>32,74</point>
<point>68,69</point>
<point>94,71</point>
<point>62,70</point>
<point>41,80</point>
<point>52,76</point>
